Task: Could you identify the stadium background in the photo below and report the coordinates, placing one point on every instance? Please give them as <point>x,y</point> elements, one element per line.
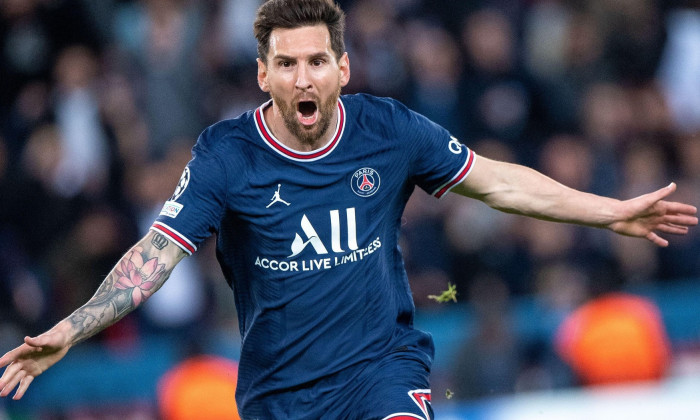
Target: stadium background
<point>100,102</point>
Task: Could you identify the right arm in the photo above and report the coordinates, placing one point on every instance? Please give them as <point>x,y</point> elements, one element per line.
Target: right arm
<point>137,275</point>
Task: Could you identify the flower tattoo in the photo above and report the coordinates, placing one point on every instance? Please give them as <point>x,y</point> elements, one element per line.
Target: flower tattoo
<point>138,276</point>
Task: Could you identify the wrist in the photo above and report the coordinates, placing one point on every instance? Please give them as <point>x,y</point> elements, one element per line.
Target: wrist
<point>614,214</point>
<point>66,330</point>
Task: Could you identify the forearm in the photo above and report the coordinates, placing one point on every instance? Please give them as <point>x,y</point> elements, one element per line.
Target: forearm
<point>137,275</point>
<point>520,190</point>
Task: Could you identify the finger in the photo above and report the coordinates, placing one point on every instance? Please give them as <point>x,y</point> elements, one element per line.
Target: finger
<point>680,208</point>
<point>3,379</point>
<point>680,220</point>
<point>5,391</point>
<point>14,382</point>
<point>662,193</point>
<point>23,385</point>
<point>673,229</point>
<point>655,199</point>
<point>6,359</point>
<point>3,383</point>
<point>41,342</point>
<point>9,372</point>
<point>37,342</point>
<point>10,356</point>
<point>657,240</point>
<point>15,354</point>
<point>11,378</point>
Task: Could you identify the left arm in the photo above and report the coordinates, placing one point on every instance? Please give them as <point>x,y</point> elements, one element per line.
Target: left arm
<point>521,190</point>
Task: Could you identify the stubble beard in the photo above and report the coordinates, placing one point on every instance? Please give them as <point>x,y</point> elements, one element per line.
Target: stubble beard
<point>308,135</point>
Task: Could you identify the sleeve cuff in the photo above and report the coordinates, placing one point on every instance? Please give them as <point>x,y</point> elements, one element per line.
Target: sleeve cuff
<point>459,177</point>
<point>179,239</point>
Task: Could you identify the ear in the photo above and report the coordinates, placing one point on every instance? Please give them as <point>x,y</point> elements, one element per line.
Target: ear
<point>262,76</point>
<point>344,65</point>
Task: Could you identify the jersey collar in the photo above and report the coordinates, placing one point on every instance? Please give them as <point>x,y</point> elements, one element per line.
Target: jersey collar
<point>290,153</point>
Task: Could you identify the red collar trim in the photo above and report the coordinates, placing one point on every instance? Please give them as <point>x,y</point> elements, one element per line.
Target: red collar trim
<point>280,148</point>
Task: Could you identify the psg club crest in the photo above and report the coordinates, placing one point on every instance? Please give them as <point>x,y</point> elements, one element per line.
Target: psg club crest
<point>365,182</point>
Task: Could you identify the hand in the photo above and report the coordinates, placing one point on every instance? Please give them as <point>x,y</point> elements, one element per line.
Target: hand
<point>650,213</point>
<point>30,360</point>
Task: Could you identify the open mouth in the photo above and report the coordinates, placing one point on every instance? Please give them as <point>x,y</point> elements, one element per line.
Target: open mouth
<point>307,112</point>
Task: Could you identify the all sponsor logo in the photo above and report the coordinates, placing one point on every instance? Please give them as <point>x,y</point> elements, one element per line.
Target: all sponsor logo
<point>344,248</point>
<point>313,239</point>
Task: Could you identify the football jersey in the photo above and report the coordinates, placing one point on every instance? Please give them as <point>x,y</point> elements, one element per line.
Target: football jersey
<point>309,240</point>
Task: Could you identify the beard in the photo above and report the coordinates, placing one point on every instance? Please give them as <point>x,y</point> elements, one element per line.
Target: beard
<point>308,135</point>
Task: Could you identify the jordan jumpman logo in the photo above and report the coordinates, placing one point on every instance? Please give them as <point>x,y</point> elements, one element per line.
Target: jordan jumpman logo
<point>276,197</point>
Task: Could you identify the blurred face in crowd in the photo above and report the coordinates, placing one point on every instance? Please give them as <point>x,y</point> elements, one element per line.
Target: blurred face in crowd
<point>304,78</point>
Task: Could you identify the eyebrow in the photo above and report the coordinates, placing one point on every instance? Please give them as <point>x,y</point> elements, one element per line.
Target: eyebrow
<point>311,57</point>
<point>283,57</point>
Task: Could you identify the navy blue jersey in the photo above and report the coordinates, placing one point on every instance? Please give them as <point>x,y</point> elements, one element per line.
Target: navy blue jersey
<point>309,240</point>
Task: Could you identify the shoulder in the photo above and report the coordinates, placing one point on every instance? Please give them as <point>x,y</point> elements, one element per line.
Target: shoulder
<point>226,135</point>
<point>378,113</point>
<point>387,115</point>
<point>367,104</point>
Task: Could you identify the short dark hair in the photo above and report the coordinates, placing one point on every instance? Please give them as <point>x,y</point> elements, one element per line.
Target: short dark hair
<point>290,14</point>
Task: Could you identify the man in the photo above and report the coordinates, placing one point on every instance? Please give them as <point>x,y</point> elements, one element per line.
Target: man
<point>324,305</point>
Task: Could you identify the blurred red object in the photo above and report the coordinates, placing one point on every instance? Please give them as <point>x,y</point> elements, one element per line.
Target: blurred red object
<point>615,338</point>
<point>202,387</point>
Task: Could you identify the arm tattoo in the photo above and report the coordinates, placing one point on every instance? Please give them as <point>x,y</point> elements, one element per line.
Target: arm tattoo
<point>159,241</point>
<point>135,278</point>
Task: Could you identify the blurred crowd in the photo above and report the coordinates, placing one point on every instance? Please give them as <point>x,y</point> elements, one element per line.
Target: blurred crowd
<point>101,101</point>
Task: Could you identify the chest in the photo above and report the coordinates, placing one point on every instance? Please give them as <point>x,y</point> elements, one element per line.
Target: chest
<point>331,206</point>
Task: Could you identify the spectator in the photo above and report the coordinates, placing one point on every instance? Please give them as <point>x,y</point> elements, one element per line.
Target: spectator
<point>162,37</point>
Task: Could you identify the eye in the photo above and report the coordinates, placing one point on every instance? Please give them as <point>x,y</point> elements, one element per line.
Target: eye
<point>317,62</point>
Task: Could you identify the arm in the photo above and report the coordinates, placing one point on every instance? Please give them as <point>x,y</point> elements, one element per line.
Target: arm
<point>137,275</point>
<point>520,190</point>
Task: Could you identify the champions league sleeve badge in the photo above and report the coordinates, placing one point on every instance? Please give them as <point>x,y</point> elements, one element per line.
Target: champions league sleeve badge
<point>182,184</point>
<point>172,207</point>
<point>365,182</point>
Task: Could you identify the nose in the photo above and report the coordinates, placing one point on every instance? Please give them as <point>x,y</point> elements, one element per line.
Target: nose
<point>303,82</point>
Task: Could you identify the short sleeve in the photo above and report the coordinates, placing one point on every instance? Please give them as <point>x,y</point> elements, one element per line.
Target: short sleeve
<point>194,211</point>
<point>439,161</point>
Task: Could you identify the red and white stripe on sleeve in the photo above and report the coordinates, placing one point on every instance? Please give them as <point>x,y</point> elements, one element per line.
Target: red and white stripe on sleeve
<point>459,177</point>
<point>179,239</point>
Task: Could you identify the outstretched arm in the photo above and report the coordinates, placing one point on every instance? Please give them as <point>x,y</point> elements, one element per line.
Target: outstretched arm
<point>517,189</point>
<point>137,275</point>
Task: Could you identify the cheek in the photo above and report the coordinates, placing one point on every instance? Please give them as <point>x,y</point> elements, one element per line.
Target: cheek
<point>328,83</point>
<point>280,86</point>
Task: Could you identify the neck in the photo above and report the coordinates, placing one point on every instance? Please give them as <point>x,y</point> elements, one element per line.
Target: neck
<point>275,123</point>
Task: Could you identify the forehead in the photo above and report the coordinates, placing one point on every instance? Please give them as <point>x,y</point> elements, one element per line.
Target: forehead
<point>301,41</point>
